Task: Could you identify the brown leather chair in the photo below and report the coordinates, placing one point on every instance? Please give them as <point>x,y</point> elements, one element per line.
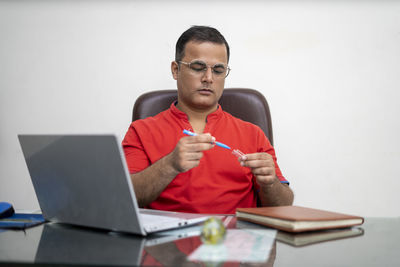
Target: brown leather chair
<point>246,104</point>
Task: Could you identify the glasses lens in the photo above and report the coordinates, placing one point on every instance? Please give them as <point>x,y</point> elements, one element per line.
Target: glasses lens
<point>219,69</point>
<point>198,66</point>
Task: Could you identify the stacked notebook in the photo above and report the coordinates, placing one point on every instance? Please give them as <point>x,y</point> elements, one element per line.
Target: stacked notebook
<point>297,219</point>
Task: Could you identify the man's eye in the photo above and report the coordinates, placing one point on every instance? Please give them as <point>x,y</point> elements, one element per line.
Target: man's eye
<point>197,66</point>
<point>219,69</point>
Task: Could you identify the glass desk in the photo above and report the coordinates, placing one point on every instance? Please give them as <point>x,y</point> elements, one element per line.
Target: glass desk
<point>377,243</point>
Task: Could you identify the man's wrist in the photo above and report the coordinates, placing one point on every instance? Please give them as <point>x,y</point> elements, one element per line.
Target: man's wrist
<point>268,186</point>
<point>168,167</point>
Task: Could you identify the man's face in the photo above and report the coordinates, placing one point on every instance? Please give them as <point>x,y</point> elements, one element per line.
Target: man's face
<point>200,90</point>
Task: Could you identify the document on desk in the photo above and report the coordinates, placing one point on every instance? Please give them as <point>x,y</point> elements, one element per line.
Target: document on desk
<point>240,245</point>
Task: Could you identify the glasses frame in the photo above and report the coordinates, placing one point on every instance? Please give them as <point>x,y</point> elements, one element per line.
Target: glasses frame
<point>207,66</point>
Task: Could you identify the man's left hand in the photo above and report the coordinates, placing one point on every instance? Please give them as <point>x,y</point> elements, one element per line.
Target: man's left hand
<point>262,166</point>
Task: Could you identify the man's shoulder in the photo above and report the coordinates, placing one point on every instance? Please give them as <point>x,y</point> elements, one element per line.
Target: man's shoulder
<point>156,119</point>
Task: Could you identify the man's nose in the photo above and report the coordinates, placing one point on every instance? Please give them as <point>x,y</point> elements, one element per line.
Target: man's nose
<point>208,74</point>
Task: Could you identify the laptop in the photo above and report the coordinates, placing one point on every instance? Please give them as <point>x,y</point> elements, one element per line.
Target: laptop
<point>84,180</point>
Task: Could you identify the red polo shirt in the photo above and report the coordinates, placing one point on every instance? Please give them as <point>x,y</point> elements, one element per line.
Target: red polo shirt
<point>219,184</point>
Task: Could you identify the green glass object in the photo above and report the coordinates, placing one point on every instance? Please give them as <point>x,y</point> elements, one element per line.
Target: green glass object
<point>213,231</point>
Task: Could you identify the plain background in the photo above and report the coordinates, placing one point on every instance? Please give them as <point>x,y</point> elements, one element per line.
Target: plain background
<point>329,69</point>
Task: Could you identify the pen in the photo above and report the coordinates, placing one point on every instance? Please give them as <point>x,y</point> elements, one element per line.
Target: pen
<point>217,143</point>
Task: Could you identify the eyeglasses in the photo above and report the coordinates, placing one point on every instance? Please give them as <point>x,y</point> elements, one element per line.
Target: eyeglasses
<point>220,70</point>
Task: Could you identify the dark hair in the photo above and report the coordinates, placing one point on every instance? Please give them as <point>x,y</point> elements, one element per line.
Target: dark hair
<point>199,34</point>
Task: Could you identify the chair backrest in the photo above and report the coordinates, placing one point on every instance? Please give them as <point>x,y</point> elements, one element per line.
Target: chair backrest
<point>246,104</point>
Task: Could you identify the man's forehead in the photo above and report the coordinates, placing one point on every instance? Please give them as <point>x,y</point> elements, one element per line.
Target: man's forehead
<point>195,49</point>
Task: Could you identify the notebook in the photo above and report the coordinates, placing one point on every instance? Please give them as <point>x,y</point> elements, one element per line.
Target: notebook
<point>84,180</point>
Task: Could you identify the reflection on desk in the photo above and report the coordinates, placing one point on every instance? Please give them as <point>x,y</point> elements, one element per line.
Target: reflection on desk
<point>68,245</point>
<point>73,245</point>
<point>307,238</point>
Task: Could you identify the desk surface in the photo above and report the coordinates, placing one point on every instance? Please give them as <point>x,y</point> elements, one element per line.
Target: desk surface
<point>379,245</point>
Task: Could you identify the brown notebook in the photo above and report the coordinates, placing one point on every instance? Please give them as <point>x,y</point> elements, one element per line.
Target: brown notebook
<point>297,219</point>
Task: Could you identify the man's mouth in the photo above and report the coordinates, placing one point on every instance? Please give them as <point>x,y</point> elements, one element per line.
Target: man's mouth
<point>205,90</point>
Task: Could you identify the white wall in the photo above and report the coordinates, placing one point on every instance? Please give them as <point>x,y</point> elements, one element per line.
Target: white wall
<point>330,71</point>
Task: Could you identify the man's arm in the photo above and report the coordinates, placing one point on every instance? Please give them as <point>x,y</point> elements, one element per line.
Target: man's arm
<point>150,182</point>
<point>272,191</point>
<point>276,194</point>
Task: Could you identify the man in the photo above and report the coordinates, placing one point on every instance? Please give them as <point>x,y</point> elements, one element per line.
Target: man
<point>171,171</point>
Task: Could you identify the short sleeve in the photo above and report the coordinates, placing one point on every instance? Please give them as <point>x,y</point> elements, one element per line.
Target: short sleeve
<point>135,155</point>
<point>265,146</point>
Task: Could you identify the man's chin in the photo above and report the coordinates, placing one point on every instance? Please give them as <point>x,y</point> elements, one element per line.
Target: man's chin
<point>201,102</point>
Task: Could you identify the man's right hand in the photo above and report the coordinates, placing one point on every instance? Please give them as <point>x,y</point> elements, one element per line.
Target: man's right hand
<point>150,182</point>
<point>188,151</point>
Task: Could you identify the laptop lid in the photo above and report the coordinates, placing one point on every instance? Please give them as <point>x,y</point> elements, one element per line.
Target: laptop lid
<point>82,180</point>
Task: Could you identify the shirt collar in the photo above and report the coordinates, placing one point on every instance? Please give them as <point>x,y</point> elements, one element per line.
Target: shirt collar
<point>182,115</point>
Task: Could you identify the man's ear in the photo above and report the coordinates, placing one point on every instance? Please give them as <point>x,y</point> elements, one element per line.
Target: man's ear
<point>174,69</point>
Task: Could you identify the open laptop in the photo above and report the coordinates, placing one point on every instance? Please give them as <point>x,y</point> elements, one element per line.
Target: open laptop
<point>84,180</point>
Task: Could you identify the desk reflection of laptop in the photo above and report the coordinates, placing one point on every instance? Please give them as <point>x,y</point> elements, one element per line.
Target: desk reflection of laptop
<point>63,244</point>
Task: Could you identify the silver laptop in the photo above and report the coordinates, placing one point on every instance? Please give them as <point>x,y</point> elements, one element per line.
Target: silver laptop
<point>84,180</point>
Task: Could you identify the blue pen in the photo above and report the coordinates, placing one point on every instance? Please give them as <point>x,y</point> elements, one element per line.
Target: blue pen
<point>217,143</point>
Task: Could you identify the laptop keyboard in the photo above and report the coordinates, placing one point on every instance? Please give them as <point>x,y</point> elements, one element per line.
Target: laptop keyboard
<point>155,222</point>
<point>150,219</point>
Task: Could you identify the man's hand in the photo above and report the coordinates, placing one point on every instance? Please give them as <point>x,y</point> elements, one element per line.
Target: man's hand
<point>262,166</point>
<point>188,151</point>
<point>150,182</point>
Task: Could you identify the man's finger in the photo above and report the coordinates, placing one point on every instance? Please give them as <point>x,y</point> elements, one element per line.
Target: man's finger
<point>257,163</point>
<point>201,138</point>
<point>258,156</point>
<point>193,156</point>
<point>199,147</point>
<point>263,171</point>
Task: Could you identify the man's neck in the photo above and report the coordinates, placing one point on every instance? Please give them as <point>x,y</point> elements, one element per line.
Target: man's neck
<point>197,117</point>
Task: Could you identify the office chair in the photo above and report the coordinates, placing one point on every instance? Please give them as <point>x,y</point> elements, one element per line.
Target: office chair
<point>246,104</point>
